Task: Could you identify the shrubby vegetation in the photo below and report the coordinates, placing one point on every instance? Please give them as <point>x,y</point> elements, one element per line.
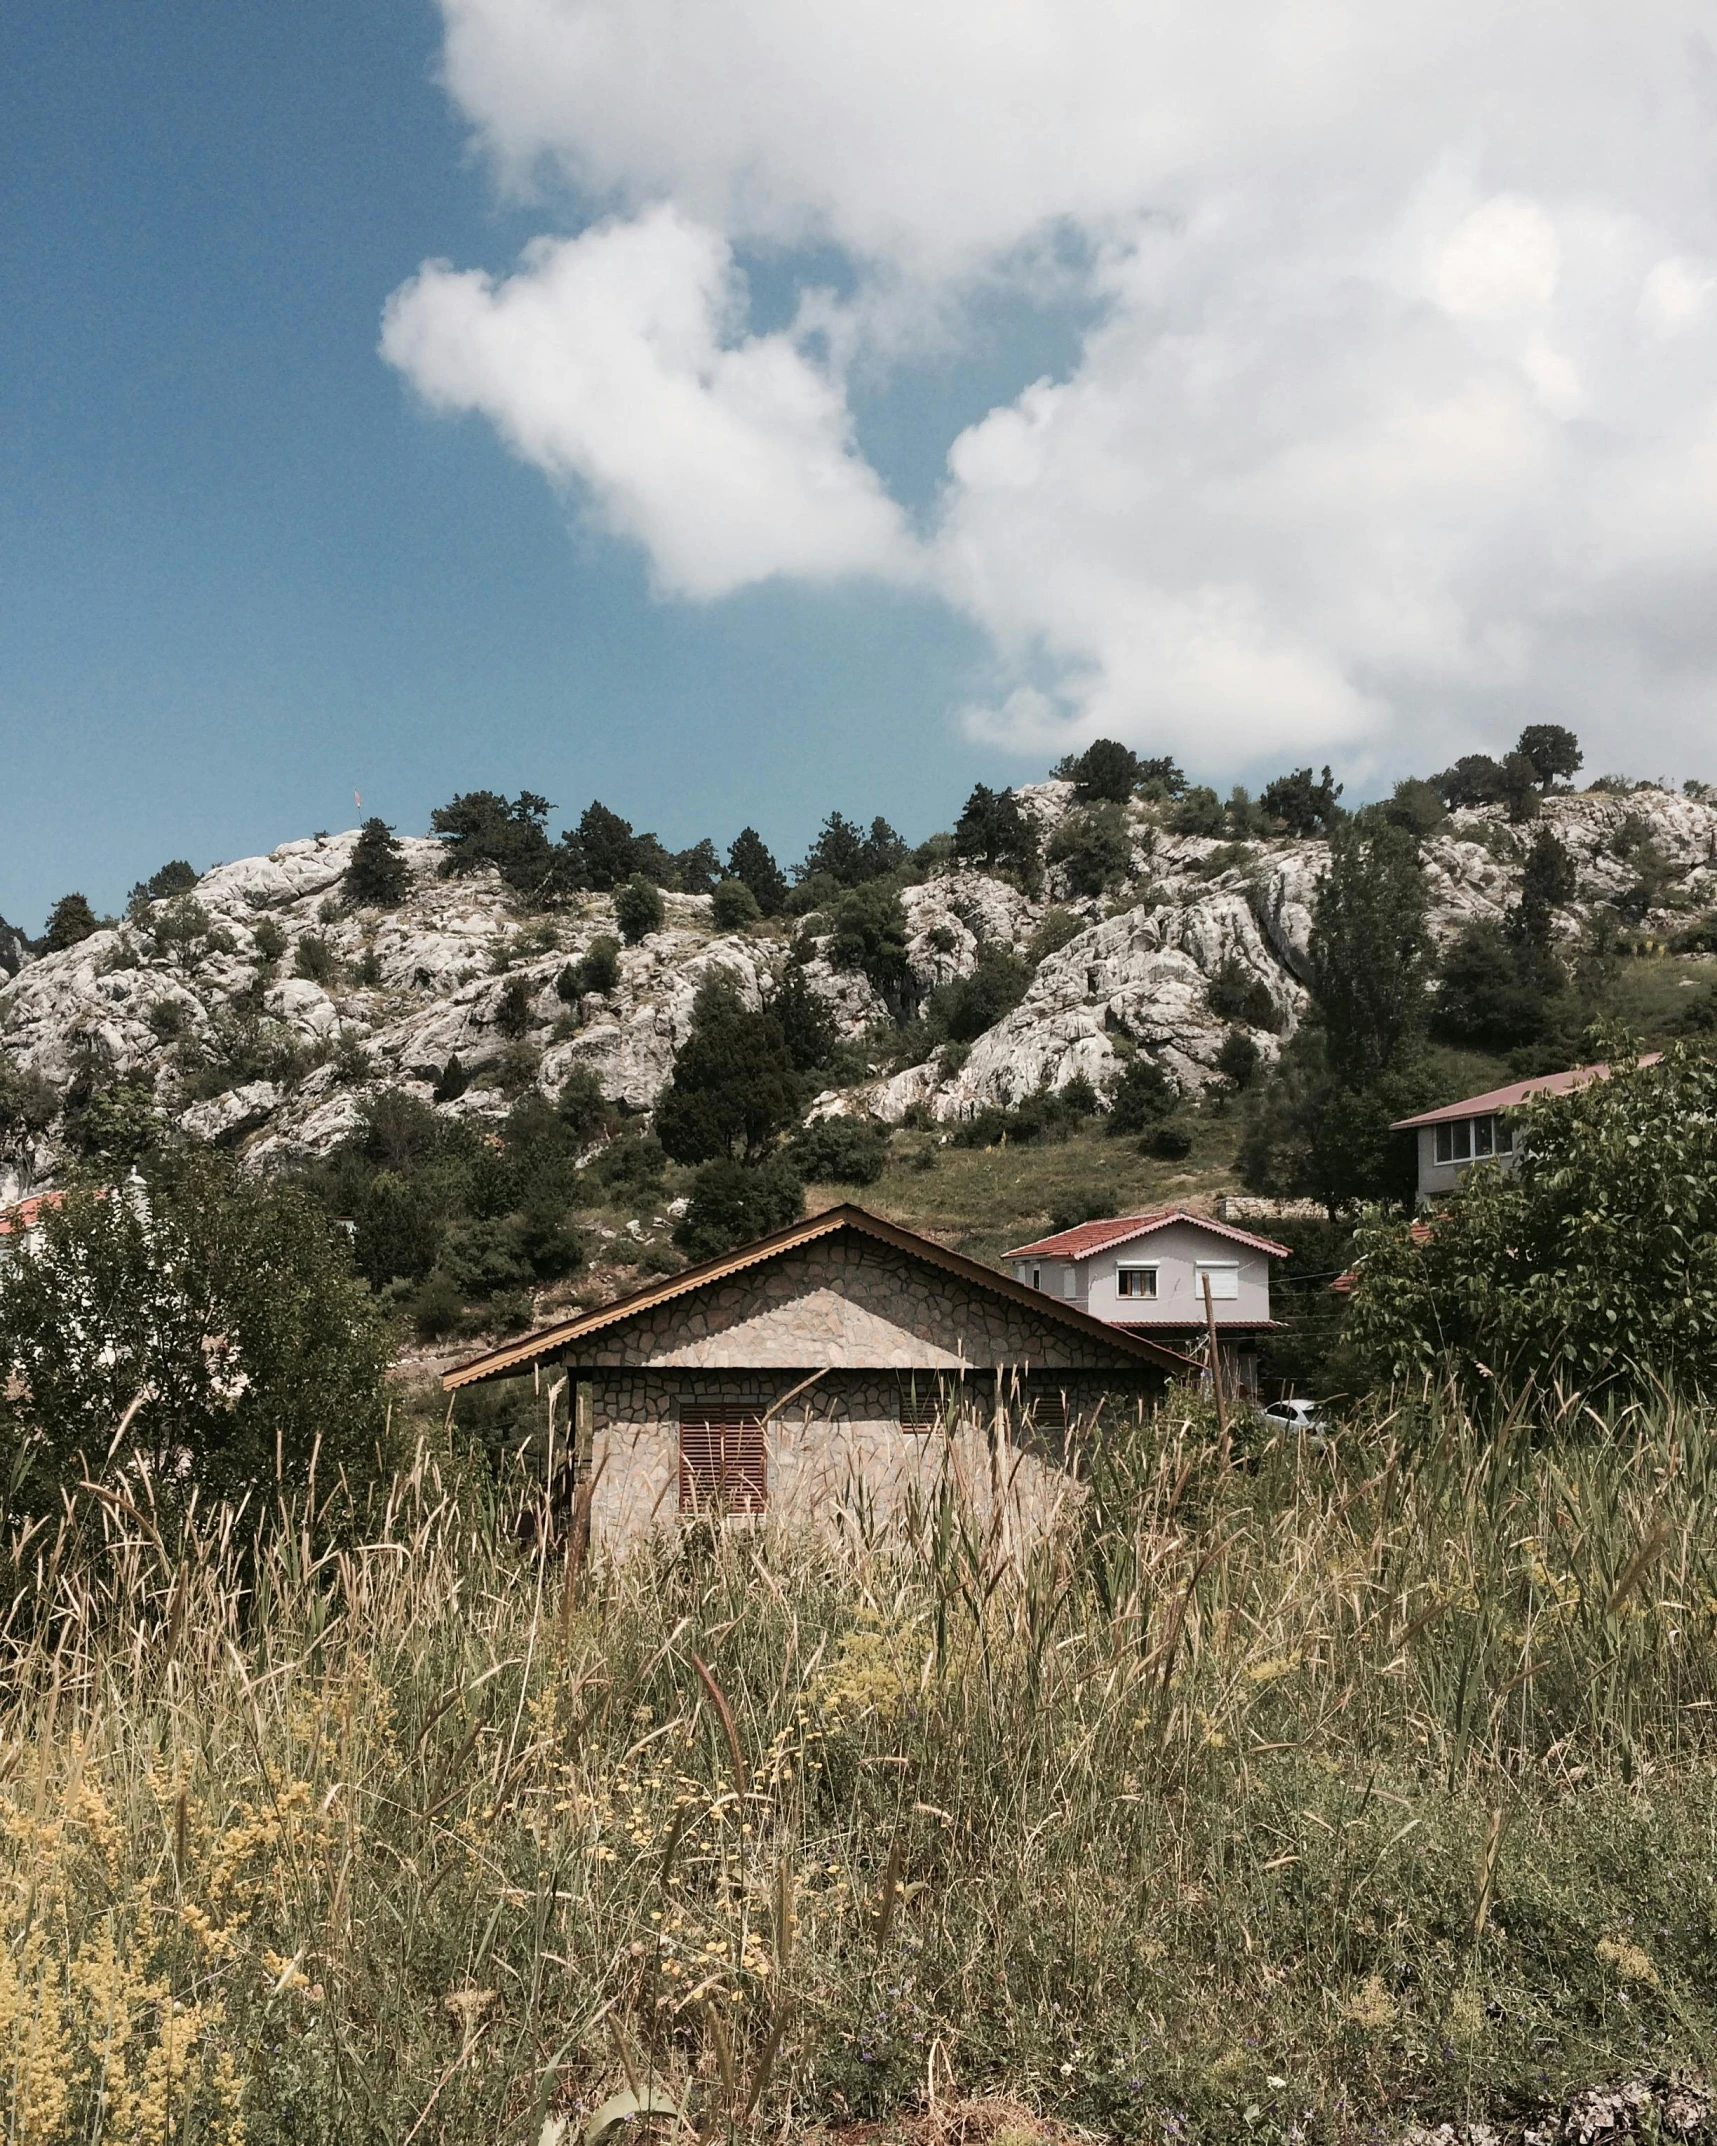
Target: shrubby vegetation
<point>1418,1716</point>
<point>193,1334</point>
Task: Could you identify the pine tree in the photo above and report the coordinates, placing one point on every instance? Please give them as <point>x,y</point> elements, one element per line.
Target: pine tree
<point>377,877</point>
<point>70,920</point>
<point>749,859</point>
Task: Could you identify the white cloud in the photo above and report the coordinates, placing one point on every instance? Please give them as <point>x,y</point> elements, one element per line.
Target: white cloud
<point>1402,366</point>
<point>609,360</point>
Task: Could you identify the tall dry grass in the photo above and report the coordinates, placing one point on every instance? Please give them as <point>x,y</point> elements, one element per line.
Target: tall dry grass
<point>1293,1794</point>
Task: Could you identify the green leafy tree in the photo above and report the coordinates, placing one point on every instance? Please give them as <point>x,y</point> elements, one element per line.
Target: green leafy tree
<point>1199,811</point>
<point>637,910</point>
<point>807,1025</point>
<point>1303,807</point>
<point>1142,1097</point>
<point>178,877</point>
<point>583,1107</point>
<point>750,860</point>
<point>1553,751</point>
<point>1370,951</point>
<point>732,1202</point>
<point>1105,771</point>
<point>1417,806</point>
<point>1093,847</point>
<point>205,1328</point>
<point>733,1087</point>
<point>70,922</point>
<point>844,853</point>
<point>994,830</point>
<point>972,1006</point>
<point>481,828</point>
<point>1485,995</point>
<point>28,1104</point>
<point>1239,1059</point>
<point>869,935</point>
<point>696,870</point>
<point>733,906</point>
<point>1592,1266</point>
<point>513,1008</point>
<point>378,876</point>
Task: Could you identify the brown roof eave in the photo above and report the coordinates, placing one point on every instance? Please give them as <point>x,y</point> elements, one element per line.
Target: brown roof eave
<point>531,1349</point>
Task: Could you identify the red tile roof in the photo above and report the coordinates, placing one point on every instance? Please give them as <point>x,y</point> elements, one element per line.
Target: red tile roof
<point>15,1221</point>
<point>1516,1093</point>
<point>1086,1238</point>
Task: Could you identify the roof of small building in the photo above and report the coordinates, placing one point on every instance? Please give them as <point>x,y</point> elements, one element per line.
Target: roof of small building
<point>547,1341</point>
<point>1086,1238</point>
<point>23,1217</point>
<point>1516,1093</point>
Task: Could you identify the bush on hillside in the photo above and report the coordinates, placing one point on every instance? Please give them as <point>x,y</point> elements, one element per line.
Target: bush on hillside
<point>1142,1097</point>
<point>732,1202</point>
<point>868,934</point>
<point>733,906</point>
<point>840,1151</point>
<point>1093,847</point>
<point>750,860</point>
<point>994,831</point>
<point>193,1335</point>
<point>637,910</point>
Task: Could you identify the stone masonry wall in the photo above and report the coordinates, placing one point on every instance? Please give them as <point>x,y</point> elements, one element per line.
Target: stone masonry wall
<point>848,1301</point>
<point>836,1455</point>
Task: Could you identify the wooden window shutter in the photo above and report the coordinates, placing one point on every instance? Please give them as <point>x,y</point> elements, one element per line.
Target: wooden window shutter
<point>721,1459</point>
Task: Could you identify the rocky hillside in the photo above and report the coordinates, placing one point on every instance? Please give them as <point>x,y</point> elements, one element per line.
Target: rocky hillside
<point>263,1007</point>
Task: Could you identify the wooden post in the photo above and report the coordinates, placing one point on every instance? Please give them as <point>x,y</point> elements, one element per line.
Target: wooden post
<point>1215,1367</point>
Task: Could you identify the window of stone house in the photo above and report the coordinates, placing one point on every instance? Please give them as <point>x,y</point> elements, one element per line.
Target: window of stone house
<point>721,1458</point>
<point>1135,1281</point>
<point>920,1405</point>
<point>1223,1276</point>
<point>1048,1405</point>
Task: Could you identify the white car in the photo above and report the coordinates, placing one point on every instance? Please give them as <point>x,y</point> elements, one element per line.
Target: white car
<point>1296,1416</point>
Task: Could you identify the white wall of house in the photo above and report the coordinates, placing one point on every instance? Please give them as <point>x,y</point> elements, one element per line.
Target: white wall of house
<point>1448,1151</point>
<point>1177,1255</point>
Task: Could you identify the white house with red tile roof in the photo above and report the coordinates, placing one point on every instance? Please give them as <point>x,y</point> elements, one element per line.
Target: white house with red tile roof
<point>20,1222</point>
<point>1480,1128</point>
<point>1147,1273</point>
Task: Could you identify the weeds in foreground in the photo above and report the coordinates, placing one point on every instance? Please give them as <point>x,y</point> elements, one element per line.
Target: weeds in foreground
<point>1304,1796</point>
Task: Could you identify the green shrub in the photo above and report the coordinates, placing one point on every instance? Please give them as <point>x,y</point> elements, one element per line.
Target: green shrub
<point>378,876</point>
<point>597,969</point>
<point>869,934</point>
<point>513,1008</point>
<point>841,1151</point>
<point>733,1202</point>
<point>1239,1059</point>
<point>1057,928</point>
<point>734,1085</point>
<point>974,1004</point>
<point>315,960</point>
<point>1168,1143</point>
<point>637,910</point>
<point>1142,1096</point>
<point>733,906</point>
<point>270,941</point>
<point>1237,993</point>
<point>1199,812</point>
<point>1093,847</point>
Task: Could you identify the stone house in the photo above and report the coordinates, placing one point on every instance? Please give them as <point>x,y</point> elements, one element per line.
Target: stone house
<point>843,1364</point>
<point>1147,1274</point>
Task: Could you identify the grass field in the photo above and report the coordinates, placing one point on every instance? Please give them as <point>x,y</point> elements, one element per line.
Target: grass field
<point>1290,1799</point>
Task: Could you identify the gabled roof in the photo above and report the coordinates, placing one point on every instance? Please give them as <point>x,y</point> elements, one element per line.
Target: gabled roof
<point>530,1349</point>
<point>22,1218</point>
<point>1085,1238</point>
<point>1516,1093</point>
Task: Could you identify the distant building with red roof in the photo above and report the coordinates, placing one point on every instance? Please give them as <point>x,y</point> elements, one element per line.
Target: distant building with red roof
<point>1480,1128</point>
<point>1147,1273</point>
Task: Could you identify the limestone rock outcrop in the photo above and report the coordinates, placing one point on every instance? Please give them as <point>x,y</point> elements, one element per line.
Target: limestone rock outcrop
<point>263,1007</point>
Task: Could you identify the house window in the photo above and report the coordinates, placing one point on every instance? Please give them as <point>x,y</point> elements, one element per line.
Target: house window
<point>1223,1276</point>
<point>1070,1280</point>
<point>1037,1277</point>
<point>920,1405</point>
<point>721,1459</point>
<point>1048,1405</point>
<point>1455,1141</point>
<point>1135,1281</point>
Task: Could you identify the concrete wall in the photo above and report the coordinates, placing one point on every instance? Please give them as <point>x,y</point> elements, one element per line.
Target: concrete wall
<point>835,1456</point>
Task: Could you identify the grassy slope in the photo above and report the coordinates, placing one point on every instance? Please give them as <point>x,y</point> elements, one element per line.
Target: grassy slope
<point>1297,1800</point>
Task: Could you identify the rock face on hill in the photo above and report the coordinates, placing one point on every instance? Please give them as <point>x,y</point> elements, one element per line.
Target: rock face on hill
<point>264,1007</point>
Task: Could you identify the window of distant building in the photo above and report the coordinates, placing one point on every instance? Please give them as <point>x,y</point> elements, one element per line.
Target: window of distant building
<point>1135,1281</point>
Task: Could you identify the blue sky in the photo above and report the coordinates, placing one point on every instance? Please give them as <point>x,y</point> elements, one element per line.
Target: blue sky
<point>242,574</point>
<point>740,411</point>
